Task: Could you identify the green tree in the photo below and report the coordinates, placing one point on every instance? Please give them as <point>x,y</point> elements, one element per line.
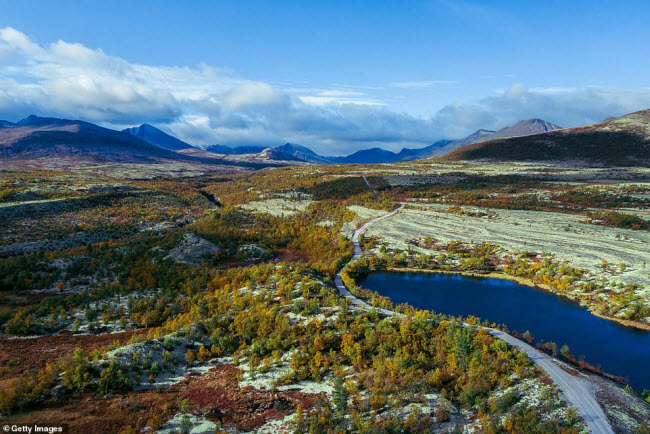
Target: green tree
<point>114,379</point>
<point>79,373</point>
<point>340,396</point>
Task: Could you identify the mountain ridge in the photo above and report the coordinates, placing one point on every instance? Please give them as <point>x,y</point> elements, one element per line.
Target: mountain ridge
<point>36,136</point>
<point>378,155</point>
<point>620,141</point>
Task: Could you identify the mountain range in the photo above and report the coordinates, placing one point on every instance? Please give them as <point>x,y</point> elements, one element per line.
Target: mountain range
<point>619,140</point>
<point>379,155</point>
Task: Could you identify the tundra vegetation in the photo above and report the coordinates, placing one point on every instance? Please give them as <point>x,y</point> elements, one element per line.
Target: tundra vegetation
<point>208,301</point>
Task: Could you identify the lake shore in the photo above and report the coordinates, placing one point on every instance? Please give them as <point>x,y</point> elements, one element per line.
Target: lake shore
<point>526,282</point>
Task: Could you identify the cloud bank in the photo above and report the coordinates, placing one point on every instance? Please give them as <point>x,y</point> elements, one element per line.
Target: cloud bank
<point>205,105</point>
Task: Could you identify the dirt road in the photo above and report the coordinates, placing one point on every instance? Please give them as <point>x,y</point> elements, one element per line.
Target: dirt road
<point>574,389</point>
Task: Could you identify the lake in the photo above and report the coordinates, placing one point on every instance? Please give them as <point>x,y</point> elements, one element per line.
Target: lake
<point>621,350</point>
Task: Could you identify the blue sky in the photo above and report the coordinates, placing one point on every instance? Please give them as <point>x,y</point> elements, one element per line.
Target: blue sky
<point>336,76</point>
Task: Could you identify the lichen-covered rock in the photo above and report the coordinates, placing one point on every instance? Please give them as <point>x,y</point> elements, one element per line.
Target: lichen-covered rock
<point>192,250</point>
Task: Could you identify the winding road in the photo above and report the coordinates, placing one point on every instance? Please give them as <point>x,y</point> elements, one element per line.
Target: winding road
<point>575,390</point>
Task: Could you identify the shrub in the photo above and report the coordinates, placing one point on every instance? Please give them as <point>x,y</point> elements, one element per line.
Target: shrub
<point>79,373</point>
<point>114,378</point>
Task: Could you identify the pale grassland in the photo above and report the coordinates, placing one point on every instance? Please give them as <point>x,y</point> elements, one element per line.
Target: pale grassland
<point>566,236</point>
<point>362,214</point>
<point>365,213</point>
<point>278,207</point>
<point>558,171</point>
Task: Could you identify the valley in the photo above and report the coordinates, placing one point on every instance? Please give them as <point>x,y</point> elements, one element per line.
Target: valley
<point>243,287</point>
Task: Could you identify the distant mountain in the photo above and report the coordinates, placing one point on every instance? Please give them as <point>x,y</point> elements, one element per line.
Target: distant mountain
<point>302,153</point>
<point>379,155</point>
<point>221,149</point>
<point>477,135</point>
<point>248,149</point>
<point>269,157</point>
<point>51,142</point>
<point>35,137</point>
<point>278,155</point>
<point>367,156</point>
<point>154,136</point>
<point>521,128</point>
<point>621,141</point>
<point>525,128</point>
<point>293,152</point>
<point>407,154</point>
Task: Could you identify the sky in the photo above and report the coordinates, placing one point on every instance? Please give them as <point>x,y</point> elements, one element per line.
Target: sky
<point>336,76</point>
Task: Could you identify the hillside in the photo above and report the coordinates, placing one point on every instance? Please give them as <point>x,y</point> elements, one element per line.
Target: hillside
<point>623,141</point>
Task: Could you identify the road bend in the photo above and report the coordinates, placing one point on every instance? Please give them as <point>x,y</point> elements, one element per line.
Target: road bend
<point>574,390</point>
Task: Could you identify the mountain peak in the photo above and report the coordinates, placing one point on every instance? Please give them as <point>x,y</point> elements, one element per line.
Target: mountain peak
<point>36,120</point>
<point>302,153</point>
<point>292,147</point>
<point>525,128</point>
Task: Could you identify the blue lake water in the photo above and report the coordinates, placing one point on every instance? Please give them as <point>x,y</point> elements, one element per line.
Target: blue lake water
<point>621,350</point>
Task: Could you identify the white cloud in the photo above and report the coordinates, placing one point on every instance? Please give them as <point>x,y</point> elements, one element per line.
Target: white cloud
<point>251,95</point>
<point>338,100</point>
<point>553,89</point>
<point>208,105</point>
<point>422,84</point>
<point>567,107</point>
<point>20,41</point>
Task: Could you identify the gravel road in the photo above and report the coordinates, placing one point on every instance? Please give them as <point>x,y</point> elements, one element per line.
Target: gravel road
<point>575,390</point>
